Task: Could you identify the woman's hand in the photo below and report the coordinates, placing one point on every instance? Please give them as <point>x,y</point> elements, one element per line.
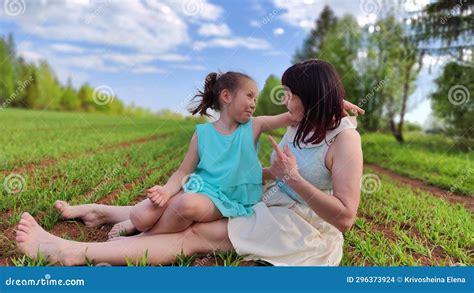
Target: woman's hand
<point>284,164</point>
<point>158,195</point>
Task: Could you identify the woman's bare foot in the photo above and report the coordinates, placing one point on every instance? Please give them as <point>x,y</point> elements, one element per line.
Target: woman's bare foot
<point>124,228</point>
<point>90,214</point>
<point>33,240</point>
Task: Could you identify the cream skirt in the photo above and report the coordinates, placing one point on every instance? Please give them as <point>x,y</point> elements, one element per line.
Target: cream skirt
<point>284,232</point>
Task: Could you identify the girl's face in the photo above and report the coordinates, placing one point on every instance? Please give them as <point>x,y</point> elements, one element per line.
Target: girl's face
<point>295,107</point>
<point>244,100</point>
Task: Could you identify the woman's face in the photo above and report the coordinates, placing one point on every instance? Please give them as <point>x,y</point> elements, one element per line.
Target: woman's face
<point>295,107</point>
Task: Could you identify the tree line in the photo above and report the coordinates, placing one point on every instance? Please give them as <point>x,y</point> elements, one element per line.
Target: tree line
<point>35,86</point>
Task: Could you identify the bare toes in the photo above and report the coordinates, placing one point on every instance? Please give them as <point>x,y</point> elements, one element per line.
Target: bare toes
<point>60,205</point>
<point>28,218</point>
<point>23,228</point>
<point>24,222</point>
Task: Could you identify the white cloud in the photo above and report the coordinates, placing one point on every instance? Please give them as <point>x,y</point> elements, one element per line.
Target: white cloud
<point>147,69</point>
<point>141,26</point>
<point>66,48</point>
<point>255,23</point>
<point>25,49</point>
<point>303,13</point>
<point>278,31</point>
<point>245,42</point>
<point>210,29</point>
<point>192,10</point>
<point>191,67</point>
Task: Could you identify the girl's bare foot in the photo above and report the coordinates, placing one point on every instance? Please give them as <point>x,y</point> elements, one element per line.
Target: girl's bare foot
<point>90,214</point>
<point>33,240</point>
<point>124,228</point>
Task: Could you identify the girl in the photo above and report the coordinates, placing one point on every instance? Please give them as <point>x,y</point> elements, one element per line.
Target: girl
<point>221,172</point>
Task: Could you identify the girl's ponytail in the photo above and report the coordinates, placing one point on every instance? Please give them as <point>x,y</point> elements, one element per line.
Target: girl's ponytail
<point>208,97</point>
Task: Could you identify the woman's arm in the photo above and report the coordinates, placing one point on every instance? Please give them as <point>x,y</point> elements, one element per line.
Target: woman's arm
<point>160,194</point>
<point>339,210</point>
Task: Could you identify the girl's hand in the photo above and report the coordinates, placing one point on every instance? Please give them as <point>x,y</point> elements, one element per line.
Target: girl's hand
<point>348,106</point>
<point>158,195</point>
<point>284,165</point>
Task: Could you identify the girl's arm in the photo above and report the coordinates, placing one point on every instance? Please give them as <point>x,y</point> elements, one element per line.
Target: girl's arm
<point>266,123</point>
<point>160,194</point>
<point>267,174</point>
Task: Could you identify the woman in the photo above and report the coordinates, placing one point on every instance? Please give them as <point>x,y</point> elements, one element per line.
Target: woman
<point>312,199</point>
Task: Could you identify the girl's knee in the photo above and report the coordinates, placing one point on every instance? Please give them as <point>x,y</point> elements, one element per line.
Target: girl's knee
<point>187,206</point>
<point>138,219</point>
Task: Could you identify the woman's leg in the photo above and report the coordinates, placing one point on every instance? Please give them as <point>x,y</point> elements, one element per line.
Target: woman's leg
<point>161,248</point>
<point>183,212</point>
<point>94,214</point>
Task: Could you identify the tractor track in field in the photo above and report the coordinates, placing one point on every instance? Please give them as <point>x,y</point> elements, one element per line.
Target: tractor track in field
<point>30,167</point>
<point>466,200</point>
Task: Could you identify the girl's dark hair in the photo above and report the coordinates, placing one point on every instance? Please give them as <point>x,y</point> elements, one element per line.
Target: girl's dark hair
<point>214,84</point>
<point>320,89</point>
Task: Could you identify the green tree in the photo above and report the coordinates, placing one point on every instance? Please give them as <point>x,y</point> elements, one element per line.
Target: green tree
<point>85,96</point>
<point>69,99</point>
<point>7,80</point>
<point>452,101</point>
<point>340,48</point>
<point>445,27</point>
<point>48,89</point>
<point>388,75</point>
<point>270,99</point>
<point>313,44</point>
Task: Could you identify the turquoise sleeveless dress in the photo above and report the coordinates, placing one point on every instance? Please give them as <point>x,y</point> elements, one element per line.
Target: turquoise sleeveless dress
<point>229,171</point>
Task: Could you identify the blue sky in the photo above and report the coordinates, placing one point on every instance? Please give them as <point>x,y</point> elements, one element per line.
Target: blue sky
<point>157,53</point>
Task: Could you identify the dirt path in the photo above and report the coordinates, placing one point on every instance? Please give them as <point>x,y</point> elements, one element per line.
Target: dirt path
<point>466,200</point>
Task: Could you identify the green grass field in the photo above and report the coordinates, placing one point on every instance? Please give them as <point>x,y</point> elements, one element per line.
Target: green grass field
<point>431,158</point>
<point>85,158</point>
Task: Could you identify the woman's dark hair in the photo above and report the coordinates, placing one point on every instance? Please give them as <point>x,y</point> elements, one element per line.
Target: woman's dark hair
<point>214,84</point>
<point>320,89</point>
